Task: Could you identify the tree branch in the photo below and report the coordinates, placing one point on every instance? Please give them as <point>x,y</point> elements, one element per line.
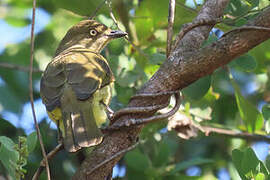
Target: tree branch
<point>208,130</point>
<point>170,26</point>
<point>169,79</point>
<point>18,67</point>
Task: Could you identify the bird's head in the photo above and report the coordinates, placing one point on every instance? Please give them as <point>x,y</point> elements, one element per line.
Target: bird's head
<point>88,34</point>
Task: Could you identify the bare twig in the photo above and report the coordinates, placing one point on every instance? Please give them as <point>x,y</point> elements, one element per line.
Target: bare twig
<point>50,155</point>
<point>126,38</point>
<point>31,91</point>
<point>170,26</point>
<point>233,133</point>
<point>186,7</point>
<point>116,155</point>
<point>18,67</point>
<point>97,9</point>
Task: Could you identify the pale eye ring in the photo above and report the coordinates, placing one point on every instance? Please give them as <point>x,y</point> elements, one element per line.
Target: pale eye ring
<point>93,32</point>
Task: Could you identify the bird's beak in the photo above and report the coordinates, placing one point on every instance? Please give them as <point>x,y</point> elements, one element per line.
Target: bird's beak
<point>116,34</point>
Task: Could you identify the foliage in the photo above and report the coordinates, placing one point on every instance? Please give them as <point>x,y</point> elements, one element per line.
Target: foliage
<point>226,100</point>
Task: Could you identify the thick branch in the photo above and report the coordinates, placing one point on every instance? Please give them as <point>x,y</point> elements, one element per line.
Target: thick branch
<point>163,81</point>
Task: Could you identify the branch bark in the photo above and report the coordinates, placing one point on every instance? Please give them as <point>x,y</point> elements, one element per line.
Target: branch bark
<point>186,64</point>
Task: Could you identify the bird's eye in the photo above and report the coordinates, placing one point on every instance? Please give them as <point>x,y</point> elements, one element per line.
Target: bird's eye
<point>93,32</point>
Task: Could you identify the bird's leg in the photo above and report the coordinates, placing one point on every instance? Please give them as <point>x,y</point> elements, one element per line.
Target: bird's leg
<point>142,110</point>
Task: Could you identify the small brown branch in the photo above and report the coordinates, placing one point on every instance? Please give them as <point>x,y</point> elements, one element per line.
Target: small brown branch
<point>50,155</point>
<point>116,155</point>
<point>31,90</point>
<point>208,130</point>
<point>18,67</point>
<point>170,26</point>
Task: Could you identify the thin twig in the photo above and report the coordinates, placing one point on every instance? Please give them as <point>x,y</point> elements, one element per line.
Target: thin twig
<point>235,134</point>
<point>170,26</point>
<point>31,90</point>
<point>126,38</point>
<point>50,155</point>
<point>18,67</point>
<point>116,155</point>
<point>186,7</point>
<point>97,9</point>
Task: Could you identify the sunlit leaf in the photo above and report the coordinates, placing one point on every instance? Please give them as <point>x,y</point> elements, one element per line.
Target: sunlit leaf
<point>8,156</point>
<point>251,116</point>
<point>31,141</point>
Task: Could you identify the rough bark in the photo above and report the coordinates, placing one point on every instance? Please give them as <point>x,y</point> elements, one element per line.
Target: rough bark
<point>186,64</point>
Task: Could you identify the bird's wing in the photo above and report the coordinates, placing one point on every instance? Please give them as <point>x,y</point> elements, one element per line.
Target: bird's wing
<point>84,71</point>
<point>87,72</point>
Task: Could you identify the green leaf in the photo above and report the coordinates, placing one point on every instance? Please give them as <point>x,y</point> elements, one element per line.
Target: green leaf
<point>252,118</point>
<point>262,168</point>
<point>245,63</point>
<point>31,141</point>
<point>157,58</point>
<point>260,176</point>
<point>8,155</point>
<point>261,53</point>
<point>198,89</point>
<point>266,115</point>
<point>13,103</point>
<point>237,157</point>
<point>162,156</point>
<point>247,163</point>
<point>237,8</point>
<point>137,161</point>
<point>267,162</point>
<point>266,111</point>
<point>252,3</point>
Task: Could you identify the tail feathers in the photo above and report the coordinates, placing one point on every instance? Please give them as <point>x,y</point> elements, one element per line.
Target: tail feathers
<point>86,132</point>
<point>80,129</point>
<point>69,141</point>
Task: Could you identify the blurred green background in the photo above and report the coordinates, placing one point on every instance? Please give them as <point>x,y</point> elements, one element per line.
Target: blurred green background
<point>236,100</point>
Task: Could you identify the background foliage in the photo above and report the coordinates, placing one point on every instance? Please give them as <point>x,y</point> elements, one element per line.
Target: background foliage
<point>235,97</point>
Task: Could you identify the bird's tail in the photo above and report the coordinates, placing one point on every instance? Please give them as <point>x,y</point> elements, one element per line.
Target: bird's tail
<point>80,128</point>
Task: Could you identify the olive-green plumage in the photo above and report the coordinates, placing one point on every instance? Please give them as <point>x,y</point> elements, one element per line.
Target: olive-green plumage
<point>77,83</point>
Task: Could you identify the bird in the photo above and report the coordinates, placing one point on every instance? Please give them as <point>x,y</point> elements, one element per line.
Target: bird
<point>76,85</point>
